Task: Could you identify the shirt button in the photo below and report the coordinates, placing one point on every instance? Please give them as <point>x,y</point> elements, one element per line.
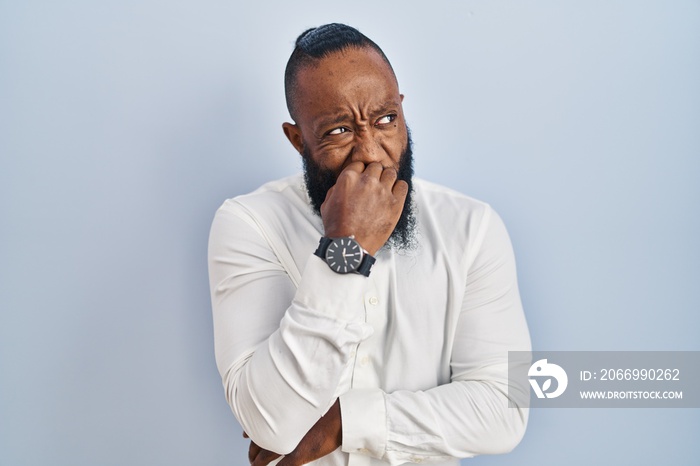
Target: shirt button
<point>365,360</point>
<point>373,301</point>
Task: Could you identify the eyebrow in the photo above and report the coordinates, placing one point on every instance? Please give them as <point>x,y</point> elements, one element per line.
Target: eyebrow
<point>389,104</point>
<point>333,119</point>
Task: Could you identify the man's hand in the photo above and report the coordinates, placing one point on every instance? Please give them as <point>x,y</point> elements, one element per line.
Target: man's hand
<point>258,456</point>
<point>323,438</point>
<point>365,202</point>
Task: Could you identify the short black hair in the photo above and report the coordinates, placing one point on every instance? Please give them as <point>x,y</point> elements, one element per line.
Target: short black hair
<point>316,43</point>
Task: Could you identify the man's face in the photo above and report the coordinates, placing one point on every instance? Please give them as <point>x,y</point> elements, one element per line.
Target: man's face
<point>348,109</point>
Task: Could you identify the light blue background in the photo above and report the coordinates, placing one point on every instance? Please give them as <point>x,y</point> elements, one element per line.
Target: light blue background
<point>124,124</point>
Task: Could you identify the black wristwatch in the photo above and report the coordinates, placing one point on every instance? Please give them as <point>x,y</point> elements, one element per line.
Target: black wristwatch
<point>345,255</point>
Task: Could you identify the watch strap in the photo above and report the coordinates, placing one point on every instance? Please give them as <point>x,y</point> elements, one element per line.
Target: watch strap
<point>322,247</point>
<point>366,265</point>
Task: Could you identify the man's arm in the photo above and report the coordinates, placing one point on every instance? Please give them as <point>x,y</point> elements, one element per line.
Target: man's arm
<point>282,364</point>
<point>323,438</point>
<point>470,415</point>
<point>281,351</point>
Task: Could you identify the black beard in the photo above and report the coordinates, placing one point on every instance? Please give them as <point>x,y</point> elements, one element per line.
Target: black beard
<point>319,180</point>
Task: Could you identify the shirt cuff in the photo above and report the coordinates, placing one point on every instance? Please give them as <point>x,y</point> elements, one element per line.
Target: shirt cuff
<point>363,415</point>
<point>335,294</point>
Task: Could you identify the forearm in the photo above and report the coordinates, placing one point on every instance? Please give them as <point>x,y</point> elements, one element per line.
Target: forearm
<point>469,415</point>
<point>462,419</point>
<point>456,420</point>
<point>290,380</point>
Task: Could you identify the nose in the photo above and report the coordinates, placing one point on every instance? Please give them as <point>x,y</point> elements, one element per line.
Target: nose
<point>367,149</point>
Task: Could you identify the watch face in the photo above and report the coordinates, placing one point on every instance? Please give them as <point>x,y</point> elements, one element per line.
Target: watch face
<point>344,255</point>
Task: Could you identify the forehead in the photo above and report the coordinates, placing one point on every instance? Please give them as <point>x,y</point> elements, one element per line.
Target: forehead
<point>351,78</point>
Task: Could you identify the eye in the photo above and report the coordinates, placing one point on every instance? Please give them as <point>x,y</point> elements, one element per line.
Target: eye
<point>385,120</point>
<point>340,130</point>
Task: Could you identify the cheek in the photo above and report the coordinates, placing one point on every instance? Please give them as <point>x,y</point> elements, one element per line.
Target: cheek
<point>328,156</point>
<point>394,147</point>
<point>333,159</point>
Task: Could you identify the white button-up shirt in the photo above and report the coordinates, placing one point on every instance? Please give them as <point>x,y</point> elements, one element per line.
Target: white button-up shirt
<point>417,352</point>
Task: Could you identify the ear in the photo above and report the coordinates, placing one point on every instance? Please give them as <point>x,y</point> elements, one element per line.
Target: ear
<point>401,95</point>
<point>293,133</point>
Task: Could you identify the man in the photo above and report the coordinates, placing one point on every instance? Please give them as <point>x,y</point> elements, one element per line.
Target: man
<point>362,317</point>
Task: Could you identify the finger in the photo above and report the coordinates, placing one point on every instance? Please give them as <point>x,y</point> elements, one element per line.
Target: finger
<point>374,170</point>
<point>264,458</point>
<point>253,451</point>
<point>389,176</point>
<point>400,190</point>
<point>350,172</point>
<point>245,435</point>
<point>357,167</point>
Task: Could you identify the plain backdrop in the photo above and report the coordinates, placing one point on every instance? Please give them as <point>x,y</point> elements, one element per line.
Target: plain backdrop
<point>125,124</point>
